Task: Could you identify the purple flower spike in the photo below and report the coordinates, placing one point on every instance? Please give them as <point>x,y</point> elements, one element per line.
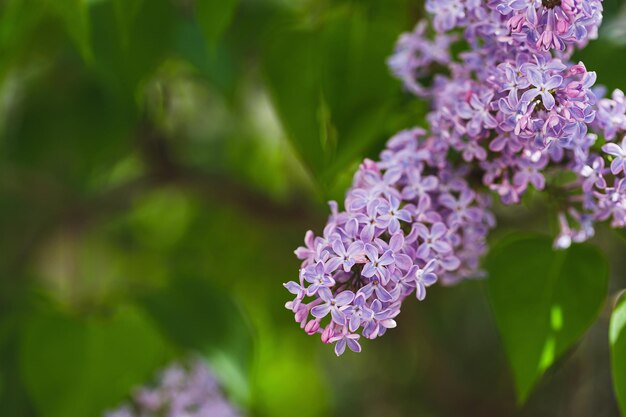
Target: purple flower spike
<point>507,114</point>
<point>368,250</point>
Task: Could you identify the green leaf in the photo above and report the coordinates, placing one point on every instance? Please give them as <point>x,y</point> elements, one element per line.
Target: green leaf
<point>125,12</point>
<point>214,16</point>
<point>197,316</point>
<point>75,18</point>
<point>18,19</point>
<point>543,301</point>
<point>292,67</point>
<point>91,121</point>
<point>331,86</point>
<point>617,340</point>
<point>76,367</point>
<point>146,36</point>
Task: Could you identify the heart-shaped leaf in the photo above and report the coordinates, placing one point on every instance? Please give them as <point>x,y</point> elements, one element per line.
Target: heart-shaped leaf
<point>543,301</point>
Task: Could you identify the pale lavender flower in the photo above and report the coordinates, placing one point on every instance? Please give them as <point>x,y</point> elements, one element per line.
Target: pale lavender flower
<point>417,185</point>
<point>542,84</point>
<point>377,263</point>
<point>415,54</point>
<point>333,305</point>
<point>514,79</point>
<point>477,111</point>
<point>529,173</point>
<point>447,13</point>
<point>359,312</point>
<point>611,115</point>
<point>377,287</point>
<point>308,251</point>
<point>593,174</point>
<point>391,214</point>
<point>461,208</point>
<point>371,219</point>
<point>319,277</point>
<point>434,240</point>
<point>422,278</point>
<point>346,339</point>
<point>517,116</point>
<point>383,320</point>
<point>347,256</point>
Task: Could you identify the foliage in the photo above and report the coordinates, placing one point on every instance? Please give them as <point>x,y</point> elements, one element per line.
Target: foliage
<point>159,160</point>
<point>543,301</point>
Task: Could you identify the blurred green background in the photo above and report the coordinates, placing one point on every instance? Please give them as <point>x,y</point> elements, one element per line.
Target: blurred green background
<point>160,160</point>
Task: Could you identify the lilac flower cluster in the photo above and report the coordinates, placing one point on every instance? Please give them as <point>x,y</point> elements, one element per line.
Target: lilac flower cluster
<point>183,390</point>
<point>509,113</point>
<point>518,111</point>
<point>409,221</point>
<point>552,24</point>
<point>603,196</point>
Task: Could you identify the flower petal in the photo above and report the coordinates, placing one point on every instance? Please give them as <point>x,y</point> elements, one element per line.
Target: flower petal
<point>320,311</point>
<point>338,316</point>
<point>354,345</point>
<point>340,347</point>
<point>344,298</point>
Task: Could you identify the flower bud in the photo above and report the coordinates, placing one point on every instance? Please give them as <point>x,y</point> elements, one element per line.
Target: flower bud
<point>312,327</point>
<point>327,333</point>
<point>302,314</point>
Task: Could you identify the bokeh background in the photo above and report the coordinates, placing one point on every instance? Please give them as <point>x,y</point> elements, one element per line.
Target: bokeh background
<point>160,160</point>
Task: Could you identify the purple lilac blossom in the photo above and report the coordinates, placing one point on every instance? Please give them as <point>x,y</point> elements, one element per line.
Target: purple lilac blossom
<point>399,245</point>
<point>545,25</point>
<point>182,390</point>
<point>509,113</point>
<point>549,115</point>
<point>611,115</point>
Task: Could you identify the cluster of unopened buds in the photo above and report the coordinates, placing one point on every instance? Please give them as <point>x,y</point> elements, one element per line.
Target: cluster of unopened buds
<point>508,113</point>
